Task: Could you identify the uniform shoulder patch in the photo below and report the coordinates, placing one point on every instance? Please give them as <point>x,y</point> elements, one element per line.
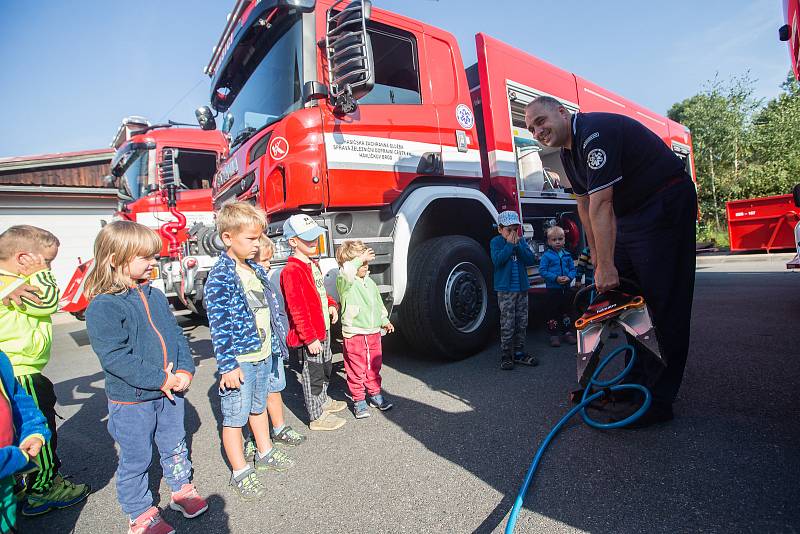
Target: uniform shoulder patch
<point>596,158</point>
<point>591,138</point>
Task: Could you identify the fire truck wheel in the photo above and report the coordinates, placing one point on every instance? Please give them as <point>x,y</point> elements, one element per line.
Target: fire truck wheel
<point>447,309</point>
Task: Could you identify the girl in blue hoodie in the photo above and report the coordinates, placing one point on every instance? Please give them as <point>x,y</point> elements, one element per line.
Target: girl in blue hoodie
<point>148,366</point>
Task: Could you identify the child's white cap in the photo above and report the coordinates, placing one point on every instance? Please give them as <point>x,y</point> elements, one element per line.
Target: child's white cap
<point>507,218</point>
<point>302,226</point>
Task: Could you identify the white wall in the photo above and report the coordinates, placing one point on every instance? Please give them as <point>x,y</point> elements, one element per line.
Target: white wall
<point>75,220</point>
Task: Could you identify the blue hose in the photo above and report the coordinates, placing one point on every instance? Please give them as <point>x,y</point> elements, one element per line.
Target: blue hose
<point>612,385</point>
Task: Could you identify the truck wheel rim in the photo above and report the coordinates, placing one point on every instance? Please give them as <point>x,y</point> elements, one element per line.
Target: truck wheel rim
<point>465,295</point>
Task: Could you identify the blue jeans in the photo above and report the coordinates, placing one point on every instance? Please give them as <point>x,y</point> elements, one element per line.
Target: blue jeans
<point>277,376</point>
<point>250,398</point>
<point>134,427</point>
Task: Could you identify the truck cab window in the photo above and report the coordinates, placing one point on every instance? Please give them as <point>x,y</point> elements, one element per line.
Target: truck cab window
<point>396,66</point>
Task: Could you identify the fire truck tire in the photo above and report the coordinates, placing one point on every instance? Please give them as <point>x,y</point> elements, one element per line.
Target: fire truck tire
<point>448,309</point>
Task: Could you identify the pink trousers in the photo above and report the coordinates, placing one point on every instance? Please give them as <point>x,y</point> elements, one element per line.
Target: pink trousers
<point>362,362</point>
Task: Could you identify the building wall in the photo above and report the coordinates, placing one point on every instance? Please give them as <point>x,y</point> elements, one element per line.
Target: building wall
<point>74,219</point>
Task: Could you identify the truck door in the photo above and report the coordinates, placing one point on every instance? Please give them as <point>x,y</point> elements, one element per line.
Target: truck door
<point>393,137</point>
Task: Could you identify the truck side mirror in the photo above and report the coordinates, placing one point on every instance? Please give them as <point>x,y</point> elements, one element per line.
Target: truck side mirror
<point>314,91</point>
<point>205,118</point>
<point>796,195</point>
<point>783,32</point>
<point>351,72</point>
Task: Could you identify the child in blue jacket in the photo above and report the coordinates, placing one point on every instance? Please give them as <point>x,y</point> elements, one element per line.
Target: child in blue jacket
<point>558,270</point>
<point>23,432</point>
<point>148,367</point>
<point>511,257</point>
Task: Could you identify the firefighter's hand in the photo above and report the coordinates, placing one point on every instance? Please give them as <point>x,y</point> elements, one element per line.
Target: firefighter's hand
<point>32,263</point>
<point>25,291</point>
<point>231,380</point>
<point>605,277</point>
<point>334,314</point>
<point>315,347</point>
<point>31,446</point>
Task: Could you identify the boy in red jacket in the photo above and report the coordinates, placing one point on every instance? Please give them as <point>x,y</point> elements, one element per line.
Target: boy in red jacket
<point>311,312</point>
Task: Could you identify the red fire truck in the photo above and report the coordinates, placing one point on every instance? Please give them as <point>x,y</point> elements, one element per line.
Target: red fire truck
<point>368,121</point>
<point>177,203</point>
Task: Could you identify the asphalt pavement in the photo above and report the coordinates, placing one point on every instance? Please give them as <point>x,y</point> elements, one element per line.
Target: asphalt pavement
<point>452,453</point>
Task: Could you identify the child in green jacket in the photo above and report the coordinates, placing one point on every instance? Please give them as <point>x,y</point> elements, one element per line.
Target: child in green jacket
<point>364,320</point>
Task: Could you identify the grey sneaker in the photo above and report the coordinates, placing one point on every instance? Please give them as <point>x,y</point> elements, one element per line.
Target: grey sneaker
<point>327,421</point>
<point>248,486</point>
<point>276,460</point>
<point>250,449</point>
<point>361,410</point>
<point>333,406</point>
<point>377,401</point>
<point>288,436</point>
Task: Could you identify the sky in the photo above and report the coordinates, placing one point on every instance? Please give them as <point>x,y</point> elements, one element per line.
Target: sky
<point>70,71</point>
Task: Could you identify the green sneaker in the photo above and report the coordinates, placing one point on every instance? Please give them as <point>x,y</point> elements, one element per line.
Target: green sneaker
<point>288,436</point>
<point>250,449</point>
<point>248,486</point>
<point>62,494</point>
<point>276,460</point>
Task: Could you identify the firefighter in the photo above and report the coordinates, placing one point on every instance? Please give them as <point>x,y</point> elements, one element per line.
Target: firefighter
<point>638,207</point>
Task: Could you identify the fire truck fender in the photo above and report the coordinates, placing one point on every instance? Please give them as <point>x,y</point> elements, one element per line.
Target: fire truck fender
<point>409,214</point>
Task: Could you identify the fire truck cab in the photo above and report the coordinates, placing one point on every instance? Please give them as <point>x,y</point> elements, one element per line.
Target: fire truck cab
<point>139,149</point>
<point>368,121</point>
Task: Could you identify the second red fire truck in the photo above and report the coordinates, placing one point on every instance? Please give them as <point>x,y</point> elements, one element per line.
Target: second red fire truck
<point>369,122</point>
<point>178,206</point>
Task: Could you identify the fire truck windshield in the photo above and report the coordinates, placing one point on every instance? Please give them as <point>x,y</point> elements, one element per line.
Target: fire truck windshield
<point>131,169</point>
<point>271,85</point>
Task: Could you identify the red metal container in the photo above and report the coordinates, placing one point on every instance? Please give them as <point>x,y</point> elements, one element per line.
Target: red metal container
<point>762,223</point>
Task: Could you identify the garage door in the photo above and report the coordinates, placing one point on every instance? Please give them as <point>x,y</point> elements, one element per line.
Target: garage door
<point>74,221</point>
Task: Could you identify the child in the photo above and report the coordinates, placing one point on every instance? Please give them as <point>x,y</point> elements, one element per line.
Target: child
<point>281,432</point>
<point>266,249</point>
<point>148,366</point>
<point>558,270</point>
<point>363,317</point>
<point>23,433</point>
<point>511,256</point>
<point>311,312</point>
<point>248,338</point>
<point>26,334</point>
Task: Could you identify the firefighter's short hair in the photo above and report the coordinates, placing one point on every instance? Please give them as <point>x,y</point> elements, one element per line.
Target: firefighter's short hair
<point>236,216</point>
<point>25,238</point>
<point>546,101</point>
<point>349,250</point>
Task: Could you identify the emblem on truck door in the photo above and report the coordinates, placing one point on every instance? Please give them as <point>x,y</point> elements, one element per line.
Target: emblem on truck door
<point>465,117</point>
<point>278,148</point>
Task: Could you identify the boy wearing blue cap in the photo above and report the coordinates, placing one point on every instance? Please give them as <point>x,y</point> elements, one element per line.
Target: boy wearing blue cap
<point>311,311</point>
<point>511,257</point>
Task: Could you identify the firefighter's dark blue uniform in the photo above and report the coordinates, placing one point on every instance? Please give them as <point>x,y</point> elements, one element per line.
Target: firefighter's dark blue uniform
<point>655,204</point>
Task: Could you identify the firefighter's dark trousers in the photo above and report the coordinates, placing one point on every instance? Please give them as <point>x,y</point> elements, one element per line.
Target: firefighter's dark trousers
<point>655,248</point>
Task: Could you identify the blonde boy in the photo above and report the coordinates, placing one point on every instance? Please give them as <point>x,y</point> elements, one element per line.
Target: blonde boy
<point>363,318</point>
<point>249,342</point>
<point>26,330</point>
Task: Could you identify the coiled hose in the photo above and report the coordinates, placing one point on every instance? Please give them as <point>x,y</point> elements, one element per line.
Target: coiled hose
<point>588,397</point>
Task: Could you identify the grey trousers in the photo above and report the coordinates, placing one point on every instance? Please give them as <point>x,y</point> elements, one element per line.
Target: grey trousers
<point>513,321</point>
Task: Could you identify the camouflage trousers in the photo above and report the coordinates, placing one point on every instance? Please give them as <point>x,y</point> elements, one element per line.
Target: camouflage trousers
<point>513,321</point>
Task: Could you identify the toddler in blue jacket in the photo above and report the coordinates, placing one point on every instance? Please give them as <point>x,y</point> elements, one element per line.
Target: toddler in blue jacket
<point>511,257</point>
<point>558,270</point>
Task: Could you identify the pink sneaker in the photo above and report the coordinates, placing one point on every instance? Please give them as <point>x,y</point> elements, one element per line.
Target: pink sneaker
<point>188,502</point>
<point>150,522</point>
